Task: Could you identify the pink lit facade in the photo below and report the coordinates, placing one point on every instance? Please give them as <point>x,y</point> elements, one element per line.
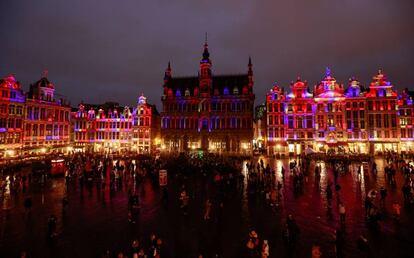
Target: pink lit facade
<point>358,120</point>
<point>109,128</point>
<point>12,101</point>
<point>47,120</point>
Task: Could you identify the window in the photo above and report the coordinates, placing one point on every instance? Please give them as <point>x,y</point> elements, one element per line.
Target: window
<point>330,121</point>
<point>18,123</point>
<point>275,108</point>
<point>290,122</point>
<point>339,122</point>
<point>386,121</point>
<point>309,108</point>
<point>393,121</point>
<point>10,123</point>
<point>11,109</point>
<point>370,105</point>
<point>371,120</point>
<point>5,94</point>
<point>321,121</point>
<point>226,91</point>
<point>19,110</point>
<point>378,120</point>
<point>330,107</point>
<point>269,107</point>
<point>299,122</point>
<point>3,108</point>
<point>270,120</point>
<point>34,129</point>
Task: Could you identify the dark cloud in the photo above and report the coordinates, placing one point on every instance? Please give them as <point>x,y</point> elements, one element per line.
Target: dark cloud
<point>97,50</point>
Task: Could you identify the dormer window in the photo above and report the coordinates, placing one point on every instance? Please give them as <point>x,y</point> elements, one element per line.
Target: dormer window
<point>178,93</point>
<point>235,91</point>
<point>226,91</point>
<point>187,92</point>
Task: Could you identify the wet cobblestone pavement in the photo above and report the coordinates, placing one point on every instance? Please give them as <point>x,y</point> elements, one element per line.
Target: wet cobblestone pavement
<point>96,219</point>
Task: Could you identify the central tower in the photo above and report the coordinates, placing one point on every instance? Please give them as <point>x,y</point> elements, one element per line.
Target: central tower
<point>205,73</point>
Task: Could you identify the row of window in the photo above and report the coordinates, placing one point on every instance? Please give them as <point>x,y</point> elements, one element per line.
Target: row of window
<point>407,133</point>
<point>46,130</point>
<point>215,106</point>
<point>212,123</point>
<point>37,113</point>
<point>12,123</point>
<point>382,120</point>
<point>5,94</point>
<point>10,138</point>
<point>381,105</point>
<point>11,109</point>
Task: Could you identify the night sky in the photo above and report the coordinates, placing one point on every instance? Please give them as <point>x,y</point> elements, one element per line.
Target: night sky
<point>98,50</point>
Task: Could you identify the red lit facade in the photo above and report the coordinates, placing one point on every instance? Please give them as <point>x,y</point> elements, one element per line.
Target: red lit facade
<point>212,113</point>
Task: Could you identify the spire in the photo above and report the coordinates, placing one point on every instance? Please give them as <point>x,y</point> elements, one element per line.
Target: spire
<point>250,65</point>
<point>250,74</point>
<point>206,54</point>
<point>167,74</point>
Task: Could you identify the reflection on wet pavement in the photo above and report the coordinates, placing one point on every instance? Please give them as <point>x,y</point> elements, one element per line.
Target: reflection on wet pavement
<point>96,220</point>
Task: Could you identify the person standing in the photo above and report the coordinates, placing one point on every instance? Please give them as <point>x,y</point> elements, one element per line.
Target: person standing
<point>383,194</point>
<point>207,211</point>
<point>265,249</point>
<point>342,213</point>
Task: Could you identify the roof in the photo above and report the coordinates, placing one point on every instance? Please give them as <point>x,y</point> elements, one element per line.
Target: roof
<point>219,82</point>
<point>44,82</point>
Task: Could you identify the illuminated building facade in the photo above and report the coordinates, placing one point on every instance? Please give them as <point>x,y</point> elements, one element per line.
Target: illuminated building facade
<point>359,120</point>
<point>103,128</point>
<point>356,117</point>
<point>405,113</point>
<point>146,127</point>
<point>329,111</point>
<point>47,120</point>
<point>382,110</point>
<point>11,116</point>
<point>109,128</point>
<point>276,126</point>
<point>212,113</point>
<point>299,119</point>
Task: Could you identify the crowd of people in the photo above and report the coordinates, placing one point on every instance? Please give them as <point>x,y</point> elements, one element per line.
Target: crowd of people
<point>228,176</point>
